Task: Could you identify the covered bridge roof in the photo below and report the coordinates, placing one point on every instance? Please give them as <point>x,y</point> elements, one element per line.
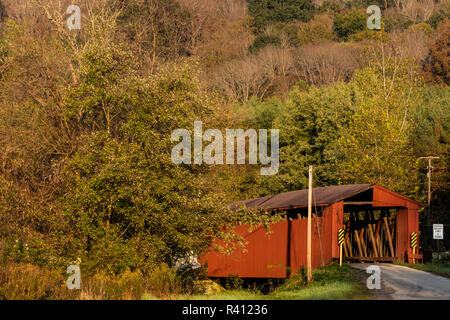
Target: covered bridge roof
<point>322,196</point>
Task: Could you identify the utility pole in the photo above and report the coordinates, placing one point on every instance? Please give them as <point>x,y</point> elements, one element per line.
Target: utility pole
<point>429,185</point>
<point>308,253</point>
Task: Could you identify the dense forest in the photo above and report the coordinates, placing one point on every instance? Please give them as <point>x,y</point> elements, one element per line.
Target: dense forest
<point>86,117</point>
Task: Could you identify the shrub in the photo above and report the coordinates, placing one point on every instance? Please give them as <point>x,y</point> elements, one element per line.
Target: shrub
<point>28,282</point>
<point>266,12</point>
<point>367,35</point>
<point>164,281</point>
<point>437,65</point>
<point>330,6</point>
<point>297,281</point>
<point>349,23</point>
<point>130,285</point>
<point>233,282</point>
<point>317,30</point>
<point>3,13</point>
<point>263,41</point>
<point>422,26</point>
<point>439,15</point>
<point>393,23</point>
<point>288,32</point>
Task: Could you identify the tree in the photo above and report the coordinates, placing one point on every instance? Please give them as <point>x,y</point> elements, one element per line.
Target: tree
<point>437,64</point>
<point>309,122</point>
<point>349,23</point>
<point>85,150</point>
<point>327,63</point>
<point>375,147</point>
<point>318,30</point>
<point>117,224</point>
<point>358,132</point>
<point>164,30</point>
<point>255,75</point>
<point>266,12</point>
<point>263,41</point>
<point>3,13</point>
<point>439,15</point>
<point>431,137</point>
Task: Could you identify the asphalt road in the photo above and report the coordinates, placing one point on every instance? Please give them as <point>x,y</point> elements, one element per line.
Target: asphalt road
<point>403,283</point>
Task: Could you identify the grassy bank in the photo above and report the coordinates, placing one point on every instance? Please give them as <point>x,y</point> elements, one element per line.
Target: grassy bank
<point>329,283</point>
<point>30,282</point>
<point>440,269</point>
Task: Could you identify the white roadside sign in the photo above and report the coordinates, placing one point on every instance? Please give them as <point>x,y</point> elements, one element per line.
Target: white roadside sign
<point>438,231</point>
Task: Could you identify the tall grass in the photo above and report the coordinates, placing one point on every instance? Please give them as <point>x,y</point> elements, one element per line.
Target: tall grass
<point>439,268</point>
<point>329,283</point>
<point>164,282</point>
<point>30,282</point>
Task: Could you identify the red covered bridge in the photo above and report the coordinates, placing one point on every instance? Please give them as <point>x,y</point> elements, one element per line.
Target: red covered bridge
<point>377,222</point>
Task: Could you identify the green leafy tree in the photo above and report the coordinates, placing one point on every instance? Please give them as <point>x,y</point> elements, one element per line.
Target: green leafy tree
<point>349,23</point>
<point>309,123</point>
<point>437,64</point>
<point>439,15</point>
<point>86,145</point>
<point>375,147</point>
<point>320,29</point>
<point>266,12</point>
<point>129,204</point>
<point>263,41</point>
<point>431,137</point>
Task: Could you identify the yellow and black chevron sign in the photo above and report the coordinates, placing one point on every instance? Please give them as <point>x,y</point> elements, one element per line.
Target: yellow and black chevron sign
<point>413,239</point>
<point>340,236</point>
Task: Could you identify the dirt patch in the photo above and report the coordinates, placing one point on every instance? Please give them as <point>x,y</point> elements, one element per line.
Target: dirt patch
<point>365,293</point>
<point>378,294</point>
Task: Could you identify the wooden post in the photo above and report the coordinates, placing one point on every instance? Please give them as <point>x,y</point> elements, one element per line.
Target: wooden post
<point>389,237</point>
<point>340,255</point>
<point>348,241</point>
<point>308,261</point>
<point>358,242</point>
<point>349,247</point>
<point>378,238</point>
<point>345,249</point>
<point>361,237</point>
<point>366,233</point>
<point>372,239</point>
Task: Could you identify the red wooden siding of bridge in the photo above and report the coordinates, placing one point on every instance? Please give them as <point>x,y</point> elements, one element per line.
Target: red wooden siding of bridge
<point>272,255</point>
<point>268,255</point>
